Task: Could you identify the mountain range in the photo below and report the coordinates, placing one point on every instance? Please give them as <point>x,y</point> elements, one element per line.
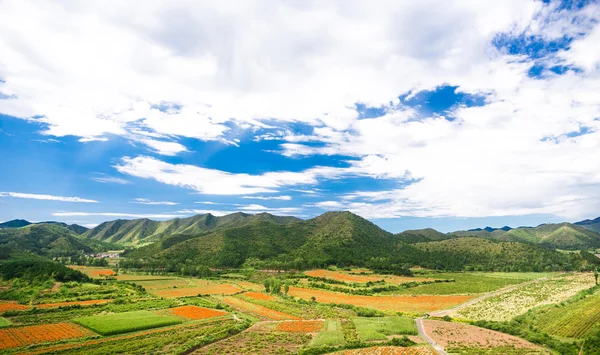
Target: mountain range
<point>342,238</point>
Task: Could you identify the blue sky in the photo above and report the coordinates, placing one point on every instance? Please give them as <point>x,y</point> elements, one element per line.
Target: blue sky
<point>451,115</point>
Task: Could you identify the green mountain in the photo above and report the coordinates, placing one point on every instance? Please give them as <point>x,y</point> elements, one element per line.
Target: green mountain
<point>143,231</point>
<point>18,223</point>
<point>423,235</point>
<point>560,236</point>
<point>15,223</point>
<point>591,224</point>
<point>47,239</point>
<point>343,239</point>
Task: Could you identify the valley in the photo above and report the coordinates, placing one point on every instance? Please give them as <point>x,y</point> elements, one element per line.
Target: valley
<point>249,284</point>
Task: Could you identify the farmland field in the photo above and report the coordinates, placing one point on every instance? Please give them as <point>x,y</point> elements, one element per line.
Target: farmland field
<point>378,328</point>
<point>301,326</point>
<point>353,278</point>
<point>412,304</point>
<point>94,272</point>
<point>570,319</point>
<point>234,315</point>
<point>508,305</point>
<point>457,336</point>
<point>117,323</point>
<point>330,334</point>
<point>195,312</point>
<point>471,283</point>
<point>211,289</point>
<point>251,343</point>
<point>11,306</point>
<point>262,312</point>
<point>35,334</point>
<point>4,322</point>
<point>390,350</point>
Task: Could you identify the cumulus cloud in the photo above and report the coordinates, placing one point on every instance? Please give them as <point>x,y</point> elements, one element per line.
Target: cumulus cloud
<point>216,182</point>
<point>164,148</point>
<point>46,197</point>
<point>118,69</point>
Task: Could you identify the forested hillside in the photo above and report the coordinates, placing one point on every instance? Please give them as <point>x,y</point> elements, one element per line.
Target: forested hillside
<point>343,239</point>
<point>560,235</point>
<point>144,231</point>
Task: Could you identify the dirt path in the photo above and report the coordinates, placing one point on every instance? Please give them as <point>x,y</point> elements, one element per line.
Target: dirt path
<point>431,342</point>
<point>446,312</point>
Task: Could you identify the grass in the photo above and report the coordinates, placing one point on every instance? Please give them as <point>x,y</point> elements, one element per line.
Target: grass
<point>378,328</point>
<point>118,323</point>
<point>332,334</point>
<point>4,322</point>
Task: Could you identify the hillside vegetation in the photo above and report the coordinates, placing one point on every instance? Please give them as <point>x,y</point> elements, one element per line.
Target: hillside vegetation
<point>143,231</point>
<point>560,236</point>
<point>343,239</point>
<point>50,240</point>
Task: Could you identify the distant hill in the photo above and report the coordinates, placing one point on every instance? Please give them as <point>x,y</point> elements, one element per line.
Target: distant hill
<point>484,255</point>
<point>343,239</point>
<point>423,235</point>
<point>143,231</point>
<point>559,235</point>
<point>18,223</point>
<point>15,223</point>
<point>47,239</point>
<point>591,224</point>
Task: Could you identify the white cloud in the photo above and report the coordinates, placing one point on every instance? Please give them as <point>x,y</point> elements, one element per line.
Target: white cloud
<point>110,180</point>
<point>216,182</point>
<point>121,215</point>
<point>145,201</point>
<point>118,69</point>
<point>164,148</point>
<point>90,225</point>
<point>45,197</point>
<point>283,197</point>
<point>254,208</point>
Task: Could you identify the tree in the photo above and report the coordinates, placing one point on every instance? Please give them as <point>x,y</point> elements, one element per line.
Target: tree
<point>286,288</point>
<point>276,286</point>
<point>596,276</point>
<point>267,284</point>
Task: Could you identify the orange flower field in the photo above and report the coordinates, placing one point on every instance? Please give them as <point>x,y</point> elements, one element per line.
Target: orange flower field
<point>63,304</point>
<point>259,296</point>
<point>308,326</point>
<point>35,334</point>
<point>215,289</point>
<point>258,310</point>
<point>418,304</point>
<point>11,306</point>
<point>389,350</point>
<point>195,312</point>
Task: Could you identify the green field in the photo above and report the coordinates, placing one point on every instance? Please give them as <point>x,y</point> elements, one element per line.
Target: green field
<point>379,328</point>
<point>332,334</point>
<point>4,322</point>
<point>117,323</point>
<point>468,283</point>
<point>574,319</point>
